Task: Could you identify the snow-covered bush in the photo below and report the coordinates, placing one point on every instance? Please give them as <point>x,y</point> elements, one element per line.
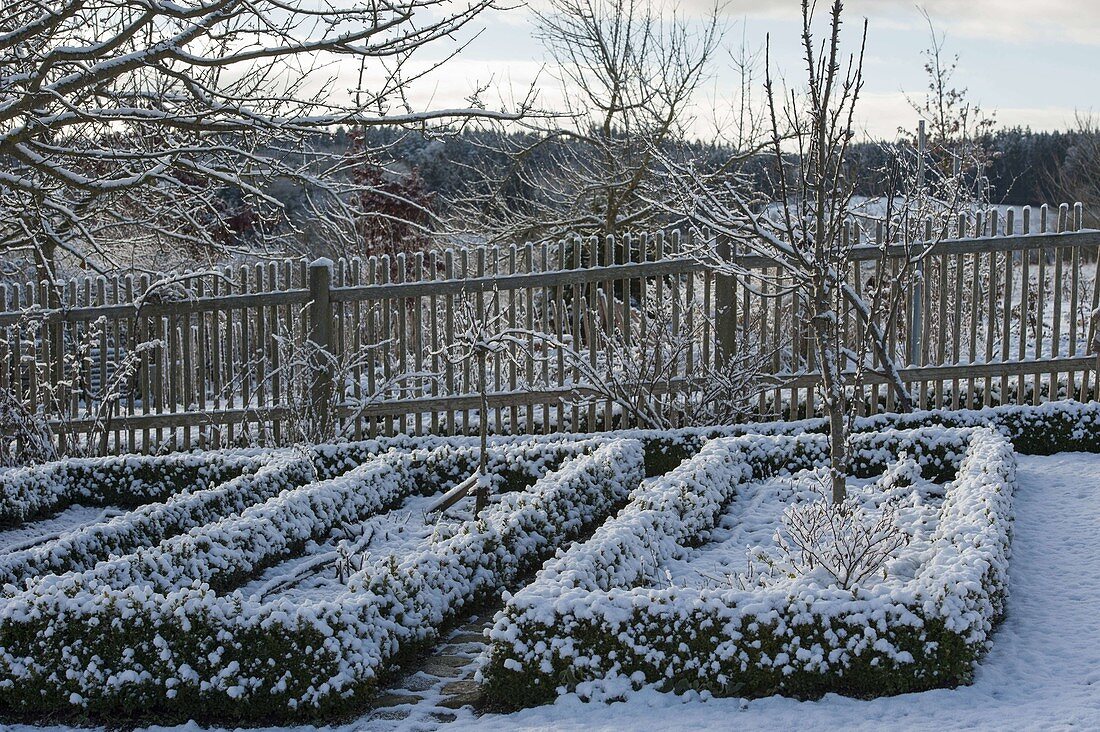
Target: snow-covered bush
<point>178,649</point>
<point>147,525</point>
<point>1046,429</point>
<point>600,610</point>
<point>434,466</point>
<point>507,541</point>
<point>229,549</point>
<point>846,541</point>
<point>133,480</point>
<point>126,481</point>
<point>77,644</point>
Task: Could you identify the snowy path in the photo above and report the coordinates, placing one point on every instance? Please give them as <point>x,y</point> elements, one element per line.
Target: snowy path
<point>69,519</point>
<point>1043,671</point>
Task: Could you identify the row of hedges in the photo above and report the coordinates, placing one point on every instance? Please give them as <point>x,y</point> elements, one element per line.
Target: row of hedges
<point>513,467</point>
<point>125,481</point>
<point>130,481</point>
<point>83,548</point>
<point>594,613</point>
<point>1045,429</point>
<point>98,651</point>
<point>230,549</point>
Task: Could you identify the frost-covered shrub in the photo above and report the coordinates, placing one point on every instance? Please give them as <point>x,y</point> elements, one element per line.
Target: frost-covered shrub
<point>125,481</point>
<point>441,462</point>
<point>508,540</point>
<point>597,612</point>
<point>511,466</point>
<point>87,648</point>
<point>847,542</point>
<point>232,548</point>
<point>424,470</point>
<point>147,525</point>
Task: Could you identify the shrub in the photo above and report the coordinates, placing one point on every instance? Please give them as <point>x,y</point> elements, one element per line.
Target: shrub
<point>125,481</point>
<point>594,612</point>
<point>84,547</point>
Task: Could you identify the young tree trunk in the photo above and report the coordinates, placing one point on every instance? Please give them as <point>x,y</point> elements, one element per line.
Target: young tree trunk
<point>838,453</point>
<point>828,344</point>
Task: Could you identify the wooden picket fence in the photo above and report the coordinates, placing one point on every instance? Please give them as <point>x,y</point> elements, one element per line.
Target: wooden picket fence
<point>244,355</point>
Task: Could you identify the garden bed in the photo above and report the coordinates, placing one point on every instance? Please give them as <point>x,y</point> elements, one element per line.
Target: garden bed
<point>607,610</point>
<point>170,586</point>
<point>175,637</point>
<point>729,557</point>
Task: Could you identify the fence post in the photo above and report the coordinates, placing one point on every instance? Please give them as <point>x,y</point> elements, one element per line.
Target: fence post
<point>725,316</point>
<point>320,334</point>
<point>916,311</point>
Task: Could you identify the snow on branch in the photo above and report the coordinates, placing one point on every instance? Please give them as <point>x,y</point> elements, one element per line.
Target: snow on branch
<point>140,122</point>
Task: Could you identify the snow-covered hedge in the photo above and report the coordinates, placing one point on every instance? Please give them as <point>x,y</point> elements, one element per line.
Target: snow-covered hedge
<point>512,466</point>
<point>600,610</point>
<point>426,470</point>
<point>465,561</point>
<point>93,649</point>
<point>1045,429</point>
<point>147,525</point>
<point>235,546</point>
<point>130,480</point>
<point>124,481</point>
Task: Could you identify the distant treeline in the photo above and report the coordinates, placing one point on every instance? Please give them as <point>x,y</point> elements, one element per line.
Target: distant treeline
<point>1025,166</point>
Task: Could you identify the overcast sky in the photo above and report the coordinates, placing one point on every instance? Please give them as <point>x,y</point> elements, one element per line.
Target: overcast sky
<point>1033,61</point>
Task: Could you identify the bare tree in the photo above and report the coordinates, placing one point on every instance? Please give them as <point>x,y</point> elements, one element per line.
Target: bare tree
<point>127,120</point>
<point>805,233</point>
<point>805,230</point>
<point>956,124</point>
<point>482,333</point>
<point>627,76</point>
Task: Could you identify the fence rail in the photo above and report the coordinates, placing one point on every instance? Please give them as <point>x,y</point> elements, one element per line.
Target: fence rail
<point>1000,313</point>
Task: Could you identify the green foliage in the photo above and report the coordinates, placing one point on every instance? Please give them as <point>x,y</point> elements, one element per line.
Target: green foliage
<point>692,651</point>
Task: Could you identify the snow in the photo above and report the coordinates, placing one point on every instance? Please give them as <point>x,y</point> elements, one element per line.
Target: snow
<point>749,523</point>
<point>1043,670</point>
<point>72,518</point>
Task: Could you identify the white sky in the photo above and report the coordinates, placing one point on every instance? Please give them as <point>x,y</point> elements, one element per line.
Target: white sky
<point>1033,61</point>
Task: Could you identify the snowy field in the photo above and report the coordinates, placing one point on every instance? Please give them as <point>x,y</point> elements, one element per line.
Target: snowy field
<point>1043,671</point>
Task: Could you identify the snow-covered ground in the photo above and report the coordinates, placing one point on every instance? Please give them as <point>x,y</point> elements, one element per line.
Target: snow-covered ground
<point>1042,673</point>
<point>749,524</point>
